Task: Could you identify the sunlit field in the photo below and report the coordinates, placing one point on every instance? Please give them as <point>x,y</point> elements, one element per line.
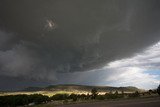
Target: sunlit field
<point>51,93</point>
<point>47,93</point>
<point>57,95</point>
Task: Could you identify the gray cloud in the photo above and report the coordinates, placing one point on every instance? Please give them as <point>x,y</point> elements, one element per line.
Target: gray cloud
<point>53,37</point>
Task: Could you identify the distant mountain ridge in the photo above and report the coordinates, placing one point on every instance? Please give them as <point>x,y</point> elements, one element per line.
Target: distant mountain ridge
<point>71,87</point>
<point>33,89</point>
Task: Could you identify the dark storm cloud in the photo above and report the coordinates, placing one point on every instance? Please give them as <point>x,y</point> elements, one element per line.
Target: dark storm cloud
<point>8,83</point>
<point>59,36</point>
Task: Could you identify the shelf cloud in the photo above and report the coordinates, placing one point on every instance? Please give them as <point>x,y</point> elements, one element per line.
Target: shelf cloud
<point>48,40</point>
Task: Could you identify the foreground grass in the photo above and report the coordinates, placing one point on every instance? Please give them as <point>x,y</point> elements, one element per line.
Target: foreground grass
<point>70,102</point>
<point>54,98</point>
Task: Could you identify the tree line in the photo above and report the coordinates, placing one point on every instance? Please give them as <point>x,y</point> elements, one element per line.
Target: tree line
<point>21,100</point>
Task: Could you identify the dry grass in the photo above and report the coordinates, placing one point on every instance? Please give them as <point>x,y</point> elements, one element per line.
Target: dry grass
<point>51,93</point>
<point>47,93</point>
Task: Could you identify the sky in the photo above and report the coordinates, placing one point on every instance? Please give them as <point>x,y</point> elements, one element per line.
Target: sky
<point>93,42</point>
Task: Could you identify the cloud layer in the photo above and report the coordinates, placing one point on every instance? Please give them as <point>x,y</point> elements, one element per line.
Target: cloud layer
<point>140,70</point>
<point>47,40</point>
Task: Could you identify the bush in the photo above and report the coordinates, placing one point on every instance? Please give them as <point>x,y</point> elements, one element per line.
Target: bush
<point>82,96</point>
<point>20,100</point>
<point>136,94</point>
<point>158,90</point>
<point>60,97</point>
<point>65,101</point>
<point>116,93</point>
<point>110,95</point>
<point>38,98</point>
<point>94,93</point>
<point>100,97</point>
<point>73,97</point>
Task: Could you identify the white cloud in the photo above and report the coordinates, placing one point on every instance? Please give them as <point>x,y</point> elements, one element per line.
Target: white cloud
<point>132,71</point>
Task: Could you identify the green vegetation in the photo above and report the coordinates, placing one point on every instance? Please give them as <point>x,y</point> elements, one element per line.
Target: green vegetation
<point>34,99</point>
<point>65,97</point>
<point>136,94</point>
<point>19,100</point>
<point>114,95</point>
<point>69,89</point>
<point>60,97</point>
<point>94,93</point>
<point>73,97</point>
<point>158,90</point>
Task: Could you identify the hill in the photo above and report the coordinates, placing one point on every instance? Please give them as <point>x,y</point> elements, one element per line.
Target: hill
<point>30,89</point>
<point>72,87</point>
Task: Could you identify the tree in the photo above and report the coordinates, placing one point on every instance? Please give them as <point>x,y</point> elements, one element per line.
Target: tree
<point>158,90</point>
<point>122,92</point>
<point>60,97</point>
<point>116,93</point>
<point>136,94</point>
<point>73,97</point>
<point>94,93</point>
<point>150,91</point>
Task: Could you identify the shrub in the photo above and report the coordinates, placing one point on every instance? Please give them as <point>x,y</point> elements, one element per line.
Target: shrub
<point>94,93</point>
<point>65,101</point>
<point>20,100</point>
<point>158,90</point>
<point>82,96</point>
<point>136,94</point>
<point>100,97</point>
<point>110,95</point>
<point>73,97</point>
<point>38,98</point>
<point>60,97</point>
<point>116,93</point>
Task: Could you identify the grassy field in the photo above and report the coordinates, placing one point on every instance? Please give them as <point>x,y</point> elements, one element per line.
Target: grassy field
<point>62,97</point>
<point>51,93</point>
<point>65,94</point>
<point>92,102</point>
<point>68,89</point>
<point>48,93</point>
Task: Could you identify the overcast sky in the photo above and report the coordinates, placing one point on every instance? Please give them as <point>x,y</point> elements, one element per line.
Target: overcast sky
<point>91,42</point>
